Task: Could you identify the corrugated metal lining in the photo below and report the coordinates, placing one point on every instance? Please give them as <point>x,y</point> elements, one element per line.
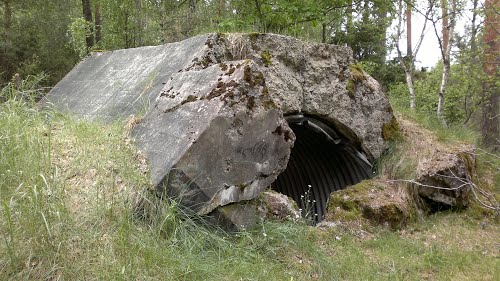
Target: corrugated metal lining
<point>321,162</point>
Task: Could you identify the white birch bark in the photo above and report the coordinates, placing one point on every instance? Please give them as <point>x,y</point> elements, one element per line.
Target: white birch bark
<point>411,89</point>
<point>446,55</point>
<point>409,62</point>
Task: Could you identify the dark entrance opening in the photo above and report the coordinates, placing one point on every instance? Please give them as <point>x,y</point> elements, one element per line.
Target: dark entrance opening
<point>322,161</point>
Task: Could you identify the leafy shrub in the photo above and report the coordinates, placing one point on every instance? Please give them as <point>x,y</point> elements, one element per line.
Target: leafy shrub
<point>78,31</point>
<point>462,95</point>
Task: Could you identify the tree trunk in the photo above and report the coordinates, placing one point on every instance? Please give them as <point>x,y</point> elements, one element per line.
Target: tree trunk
<point>381,12</point>
<point>260,15</point>
<point>323,33</point>
<point>7,15</point>
<point>139,24</point>
<point>366,11</point>
<point>490,110</point>
<point>221,7</point>
<point>473,32</point>
<point>448,21</point>
<point>192,6</point>
<point>409,52</point>
<point>126,30</point>
<point>349,25</point>
<point>411,89</point>
<point>408,61</point>
<point>445,24</point>
<point>442,91</point>
<point>87,14</point>
<point>97,23</point>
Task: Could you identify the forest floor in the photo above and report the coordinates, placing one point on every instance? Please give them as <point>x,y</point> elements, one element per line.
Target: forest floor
<point>68,188</point>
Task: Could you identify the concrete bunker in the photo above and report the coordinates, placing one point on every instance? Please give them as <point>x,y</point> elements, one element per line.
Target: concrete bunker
<point>322,161</point>
<point>221,123</point>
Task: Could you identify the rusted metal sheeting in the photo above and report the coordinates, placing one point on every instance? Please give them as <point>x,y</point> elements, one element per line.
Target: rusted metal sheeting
<point>321,162</point>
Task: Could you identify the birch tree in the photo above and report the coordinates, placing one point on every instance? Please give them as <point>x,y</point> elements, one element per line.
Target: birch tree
<point>448,20</point>
<point>408,61</point>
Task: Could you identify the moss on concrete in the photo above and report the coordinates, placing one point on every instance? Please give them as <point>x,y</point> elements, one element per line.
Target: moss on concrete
<point>254,35</point>
<point>371,201</point>
<point>266,58</point>
<point>357,75</point>
<point>391,130</point>
<point>351,88</point>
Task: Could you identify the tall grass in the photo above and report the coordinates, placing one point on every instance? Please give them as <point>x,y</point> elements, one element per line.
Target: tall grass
<point>69,190</point>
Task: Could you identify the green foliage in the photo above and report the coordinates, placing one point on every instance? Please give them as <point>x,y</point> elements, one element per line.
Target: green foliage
<point>43,29</point>
<point>386,74</point>
<point>78,31</point>
<point>36,40</point>
<point>461,99</point>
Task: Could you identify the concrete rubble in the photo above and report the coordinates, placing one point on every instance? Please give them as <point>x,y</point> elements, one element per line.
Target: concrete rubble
<point>212,107</point>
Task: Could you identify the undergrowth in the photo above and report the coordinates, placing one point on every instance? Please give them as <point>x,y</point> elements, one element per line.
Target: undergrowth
<point>69,190</point>
<point>399,161</point>
<point>449,133</point>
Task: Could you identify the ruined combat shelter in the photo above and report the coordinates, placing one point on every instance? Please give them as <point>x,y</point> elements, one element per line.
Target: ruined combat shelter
<point>223,117</point>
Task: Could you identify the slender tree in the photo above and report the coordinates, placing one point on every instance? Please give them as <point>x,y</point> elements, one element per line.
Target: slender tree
<point>192,6</point>
<point>5,35</point>
<point>258,8</point>
<point>7,20</point>
<point>409,55</point>
<point>490,114</point>
<point>87,15</point>
<point>382,9</point>
<point>448,19</point>
<point>474,27</point>
<point>349,13</point>
<point>97,23</point>
<point>221,8</point>
<point>408,61</point>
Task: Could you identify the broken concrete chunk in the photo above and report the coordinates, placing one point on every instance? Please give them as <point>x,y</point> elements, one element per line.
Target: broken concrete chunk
<point>376,201</point>
<point>269,205</point>
<point>444,177</point>
<point>275,205</point>
<point>220,140</point>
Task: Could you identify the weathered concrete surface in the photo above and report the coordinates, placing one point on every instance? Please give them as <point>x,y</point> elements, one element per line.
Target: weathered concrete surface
<point>445,176</point>
<point>214,131</point>
<point>217,136</point>
<point>113,85</point>
<point>316,79</point>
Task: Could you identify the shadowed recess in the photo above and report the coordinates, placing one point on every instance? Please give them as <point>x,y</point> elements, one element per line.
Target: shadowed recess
<point>321,161</point>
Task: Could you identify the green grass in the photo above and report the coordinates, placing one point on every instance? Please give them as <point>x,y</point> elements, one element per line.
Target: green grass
<point>68,190</point>
<point>450,133</point>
